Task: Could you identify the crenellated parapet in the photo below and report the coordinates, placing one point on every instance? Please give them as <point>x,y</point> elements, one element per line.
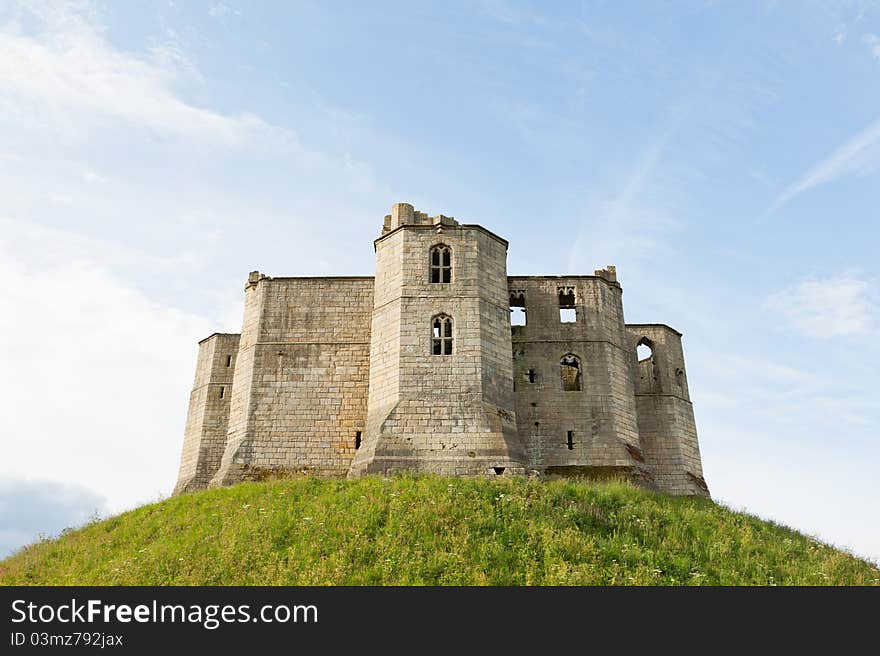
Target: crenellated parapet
<point>404,214</point>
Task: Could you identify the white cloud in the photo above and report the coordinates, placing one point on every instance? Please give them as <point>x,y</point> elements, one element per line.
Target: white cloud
<point>872,42</point>
<point>619,232</point>
<point>860,154</point>
<point>784,398</point>
<point>66,76</point>
<point>93,177</point>
<point>632,224</point>
<point>220,11</point>
<point>826,308</point>
<point>54,248</point>
<point>100,252</point>
<point>97,374</point>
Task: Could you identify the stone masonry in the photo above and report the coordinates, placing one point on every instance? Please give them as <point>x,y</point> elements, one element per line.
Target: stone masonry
<point>441,363</point>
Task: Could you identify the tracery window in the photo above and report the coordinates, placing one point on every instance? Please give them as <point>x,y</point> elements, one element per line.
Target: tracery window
<point>441,335</point>
<point>441,263</point>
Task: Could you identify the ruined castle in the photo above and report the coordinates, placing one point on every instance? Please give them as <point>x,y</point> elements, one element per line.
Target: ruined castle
<point>441,363</point>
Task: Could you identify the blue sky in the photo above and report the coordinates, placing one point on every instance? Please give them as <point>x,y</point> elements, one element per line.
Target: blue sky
<point>723,155</point>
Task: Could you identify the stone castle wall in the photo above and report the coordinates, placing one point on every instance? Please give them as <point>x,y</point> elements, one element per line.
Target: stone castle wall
<point>665,414</point>
<point>591,428</point>
<point>300,400</point>
<point>336,376</point>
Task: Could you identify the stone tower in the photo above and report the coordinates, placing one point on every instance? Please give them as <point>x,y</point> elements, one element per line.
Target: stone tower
<point>208,416</point>
<point>667,428</point>
<point>441,377</point>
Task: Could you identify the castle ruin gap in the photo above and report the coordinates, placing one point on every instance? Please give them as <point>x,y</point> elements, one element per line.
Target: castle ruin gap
<point>441,363</point>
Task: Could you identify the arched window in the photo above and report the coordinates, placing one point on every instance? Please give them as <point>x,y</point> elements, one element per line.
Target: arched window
<point>441,263</point>
<point>571,373</point>
<point>644,349</point>
<point>441,335</point>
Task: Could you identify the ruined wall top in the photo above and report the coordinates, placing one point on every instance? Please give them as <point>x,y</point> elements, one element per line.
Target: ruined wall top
<point>405,214</point>
<point>609,273</point>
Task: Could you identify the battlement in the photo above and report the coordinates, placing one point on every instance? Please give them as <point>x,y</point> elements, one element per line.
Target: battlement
<point>609,273</point>
<point>405,214</point>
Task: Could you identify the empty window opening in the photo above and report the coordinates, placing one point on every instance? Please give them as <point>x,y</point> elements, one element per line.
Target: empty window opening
<point>499,470</point>
<point>441,336</point>
<point>357,440</point>
<point>570,441</point>
<point>571,373</point>
<point>567,311</point>
<point>567,315</point>
<point>645,349</point>
<point>222,391</point>
<point>441,263</point>
<point>228,360</point>
<point>517,309</point>
<point>531,375</point>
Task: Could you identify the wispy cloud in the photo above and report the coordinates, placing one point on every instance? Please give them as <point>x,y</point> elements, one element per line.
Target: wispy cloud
<point>133,359</point>
<point>872,42</point>
<point>66,75</point>
<point>220,10</point>
<point>860,155</point>
<point>625,225</point>
<point>826,308</point>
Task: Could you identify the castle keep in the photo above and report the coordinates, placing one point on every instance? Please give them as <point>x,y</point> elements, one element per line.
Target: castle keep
<point>441,363</point>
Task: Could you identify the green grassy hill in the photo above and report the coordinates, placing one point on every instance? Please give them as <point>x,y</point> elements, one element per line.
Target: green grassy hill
<point>416,531</point>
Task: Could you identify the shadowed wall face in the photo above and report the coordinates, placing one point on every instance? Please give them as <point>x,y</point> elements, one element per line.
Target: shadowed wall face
<point>574,399</point>
<point>665,415</point>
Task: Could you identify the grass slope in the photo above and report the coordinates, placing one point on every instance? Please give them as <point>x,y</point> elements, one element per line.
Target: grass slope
<point>428,530</point>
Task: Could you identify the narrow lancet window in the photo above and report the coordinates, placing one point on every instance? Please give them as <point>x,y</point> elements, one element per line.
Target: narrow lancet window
<point>441,335</point>
<point>517,309</point>
<point>441,263</point>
